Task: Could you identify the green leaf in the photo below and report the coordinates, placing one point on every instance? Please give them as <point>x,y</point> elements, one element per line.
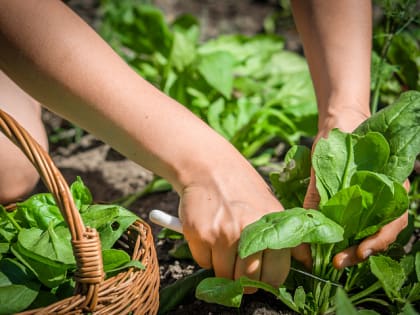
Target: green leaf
<point>389,273</point>
<point>217,70</point>
<point>183,51</point>
<point>300,297</point>
<point>39,211</point>
<point>343,304</point>
<point>287,299</point>
<point>247,282</point>
<point>81,194</point>
<point>173,294</point>
<point>148,32</point>
<point>417,264</point>
<point>17,287</point>
<point>221,291</point>
<point>369,203</point>
<point>289,228</point>
<point>345,208</point>
<point>49,272</point>
<point>169,234</point>
<point>214,116</point>
<point>181,250</point>
<point>53,244</point>
<point>290,185</point>
<point>400,125</point>
<point>338,157</point>
<point>113,258</point>
<point>229,292</point>
<point>111,221</point>
<point>384,201</point>
<point>408,309</point>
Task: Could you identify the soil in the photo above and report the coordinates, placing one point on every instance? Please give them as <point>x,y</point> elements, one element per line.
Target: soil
<point>110,176</point>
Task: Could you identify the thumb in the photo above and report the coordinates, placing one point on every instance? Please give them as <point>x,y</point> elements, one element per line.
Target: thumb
<point>312,198</point>
<point>380,241</point>
<point>372,245</point>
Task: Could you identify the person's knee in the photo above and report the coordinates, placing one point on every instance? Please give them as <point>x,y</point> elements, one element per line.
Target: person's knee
<point>17,175</point>
<point>18,178</point>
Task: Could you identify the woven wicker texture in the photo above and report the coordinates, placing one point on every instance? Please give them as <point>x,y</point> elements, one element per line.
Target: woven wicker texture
<point>132,291</point>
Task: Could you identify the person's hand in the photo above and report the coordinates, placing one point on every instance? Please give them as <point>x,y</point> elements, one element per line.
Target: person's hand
<point>347,121</point>
<point>378,242</point>
<point>216,207</point>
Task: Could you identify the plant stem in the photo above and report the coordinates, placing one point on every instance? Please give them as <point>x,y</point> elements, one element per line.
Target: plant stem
<point>10,218</point>
<point>156,185</point>
<point>390,34</point>
<point>369,290</point>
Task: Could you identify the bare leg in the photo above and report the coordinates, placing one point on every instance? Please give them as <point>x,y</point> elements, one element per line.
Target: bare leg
<point>17,175</point>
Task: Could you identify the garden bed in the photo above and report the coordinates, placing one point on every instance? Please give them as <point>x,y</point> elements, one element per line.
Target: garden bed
<point>111,177</point>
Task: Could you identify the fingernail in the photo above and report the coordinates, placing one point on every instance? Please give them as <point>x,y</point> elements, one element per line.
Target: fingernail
<point>367,253</point>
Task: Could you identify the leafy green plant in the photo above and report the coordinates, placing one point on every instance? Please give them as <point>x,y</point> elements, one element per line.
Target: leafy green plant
<point>249,89</point>
<point>36,257</point>
<point>396,54</point>
<point>359,177</point>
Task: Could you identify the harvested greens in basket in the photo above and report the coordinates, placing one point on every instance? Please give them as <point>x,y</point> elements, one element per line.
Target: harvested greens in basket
<point>36,257</point>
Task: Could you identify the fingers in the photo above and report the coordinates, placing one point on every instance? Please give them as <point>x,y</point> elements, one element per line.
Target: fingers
<point>380,241</point>
<point>223,260</point>
<point>347,257</point>
<point>201,253</point>
<point>275,267</point>
<point>311,200</point>
<point>249,267</point>
<point>302,253</point>
<point>372,245</point>
<point>269,266</point>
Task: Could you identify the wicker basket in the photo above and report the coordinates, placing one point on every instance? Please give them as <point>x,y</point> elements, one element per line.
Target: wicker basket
<point>132,291</point>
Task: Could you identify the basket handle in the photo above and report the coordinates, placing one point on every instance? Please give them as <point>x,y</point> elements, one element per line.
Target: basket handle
<point>85,241</point>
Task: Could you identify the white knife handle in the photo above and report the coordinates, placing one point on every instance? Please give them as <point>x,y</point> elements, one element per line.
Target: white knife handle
<point>166,220</point>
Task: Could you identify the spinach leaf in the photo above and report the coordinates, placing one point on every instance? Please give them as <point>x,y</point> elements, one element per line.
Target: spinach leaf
<point>38,211</point>
<point>229,292</point>
<point>289,228</point>
<point>183,52</point>
<point>9,228</point>
<point>338,157</point>
<point>291,183</point>
<point>81,194</point>
<point>400,125</point>
<point>220,290</point>
<point>48,254</point>
<point>343,305</point>
<point>173,294</point>
<point>217,70</point>
<point>369,203</point>
<point>111,221</point>
<point>385,200</point>
<point>18,287</point>
<point>115,260</point>
<point>54,244</point>
<point>389,273</point>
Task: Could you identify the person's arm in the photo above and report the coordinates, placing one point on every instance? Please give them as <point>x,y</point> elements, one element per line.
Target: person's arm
<point>337,37</point>
<point>57,58</point>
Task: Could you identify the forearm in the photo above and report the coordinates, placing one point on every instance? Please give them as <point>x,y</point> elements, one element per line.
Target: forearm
<point>63,63</point>
<point>336,36</point>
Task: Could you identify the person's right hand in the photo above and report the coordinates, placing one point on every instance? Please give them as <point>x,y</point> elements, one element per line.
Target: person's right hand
<point>214,209</point>
<point>347,119</point>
